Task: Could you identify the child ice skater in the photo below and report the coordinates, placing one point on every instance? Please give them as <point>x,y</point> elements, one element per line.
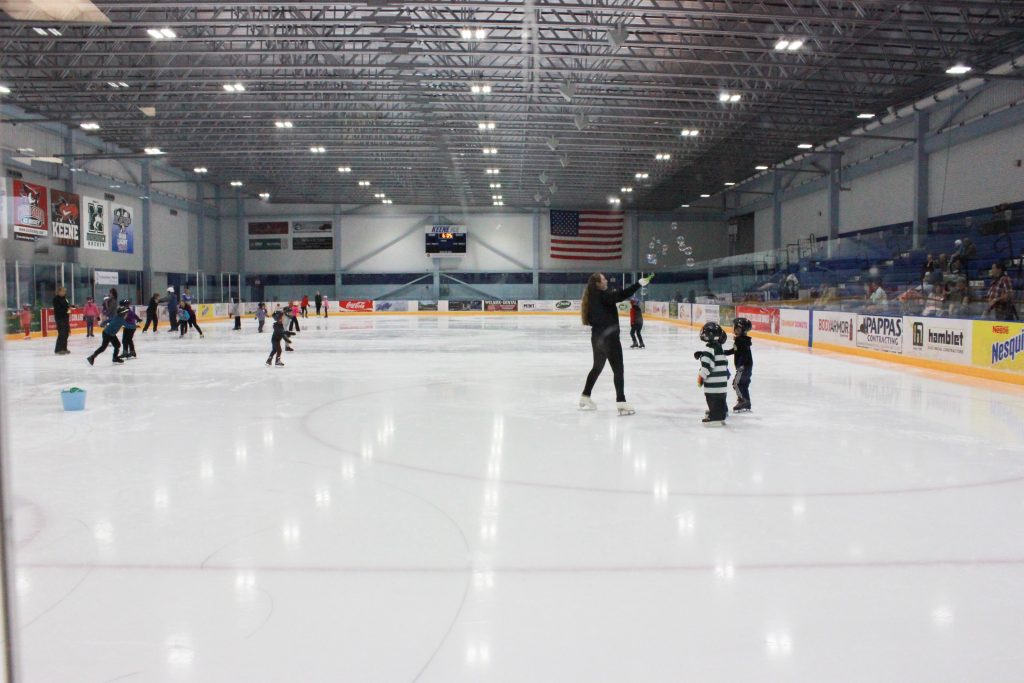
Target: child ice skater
<point>744,362</point>
<point>113,326</point>
<point>292,312</point>
<point>261,315</point>
<point>26,320</point>
<point>636,323</point>
<point>713,374</point>
<point>327,304</point>
<point>131,321</point>
<point>91,313</point>
<point>184,315</point>
<point>276,339</point>
<point>235,313</point>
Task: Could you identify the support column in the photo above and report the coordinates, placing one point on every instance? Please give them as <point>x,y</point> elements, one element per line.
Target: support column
<point>201,228</point>
<point>920,178</point>
<point>776,210</point>
<point>437,278</point>
<point>241,243</point>
<point>336,231</point>
<point>536,253</point>
<point>218,242</point>
<point>147,229</point>
<point>69,187</point>
<point>835,165</point>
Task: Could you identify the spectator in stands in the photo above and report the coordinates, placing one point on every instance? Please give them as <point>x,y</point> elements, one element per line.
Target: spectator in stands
<point>912,300</point>
<point>959,299</point>
<point>956,269</point>
<point>942,264</point>
<point>829,297</point>
<point>877,299</point>
<point>935,303</point>
<point>1000,294</point>
<point>691,298</point>
<point>928,267</point>
<point>791,287</point>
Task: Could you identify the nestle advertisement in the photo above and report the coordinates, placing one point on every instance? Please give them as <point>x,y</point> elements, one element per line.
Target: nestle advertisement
<point>503,305</point>
<point>761,319</point>
<point>457,305</point>
<point>833,327</point>
<point>880,333</point>
<point>938,339</point>
<point>356,305</point>
<point>998,345</point>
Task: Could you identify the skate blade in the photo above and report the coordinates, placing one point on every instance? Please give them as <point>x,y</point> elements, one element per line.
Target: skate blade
<point>714,423</point>
<point>624,413</point>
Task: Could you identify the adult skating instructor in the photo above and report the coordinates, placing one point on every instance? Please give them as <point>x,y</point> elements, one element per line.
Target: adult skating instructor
<point>600,312</point>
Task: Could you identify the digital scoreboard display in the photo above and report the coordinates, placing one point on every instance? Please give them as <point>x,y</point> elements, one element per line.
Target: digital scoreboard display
<point>446,240</point>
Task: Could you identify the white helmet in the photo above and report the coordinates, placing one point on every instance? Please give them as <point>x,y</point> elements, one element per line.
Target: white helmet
<point>170,289</point>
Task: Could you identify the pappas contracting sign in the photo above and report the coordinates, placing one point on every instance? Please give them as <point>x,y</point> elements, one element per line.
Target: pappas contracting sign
<point>880,333</point>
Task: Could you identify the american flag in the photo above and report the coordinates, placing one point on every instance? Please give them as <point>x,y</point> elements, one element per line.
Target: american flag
<point>586,235</point>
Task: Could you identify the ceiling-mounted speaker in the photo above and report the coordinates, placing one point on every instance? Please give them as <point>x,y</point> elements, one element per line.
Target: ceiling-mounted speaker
<point>617,36</point>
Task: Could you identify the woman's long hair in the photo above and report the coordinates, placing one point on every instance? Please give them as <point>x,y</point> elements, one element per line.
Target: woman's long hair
<point>585,304</point>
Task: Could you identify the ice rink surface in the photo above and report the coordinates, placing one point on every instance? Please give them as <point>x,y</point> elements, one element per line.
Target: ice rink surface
<point>418,499</point>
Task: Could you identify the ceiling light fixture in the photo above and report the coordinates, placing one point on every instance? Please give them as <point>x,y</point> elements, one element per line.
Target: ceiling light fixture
<point>200,169</point>
<point>689,132</point>
<point>641,176</point>
<point>492,171</point>
<point>805,145</point>
<point>480,89</point>
<point>728,184</point>
<point>684,206</point>
<point>485,125</point>
<point>117,84</point>
<point>264,196</point>
<point>161,33</point>
<point>865,116</point>
<point>153,151</point>
<point>237,183</point>
<point>283,124</point>
<point>786,45</point>
<point>958,70</point>
<point>385,201</point>
<point>364,183</point>
<point>662,157</point>
<point>496,196</point>
<point>495,186</point>
<point>761,168</point>
<point>234,87</point>
<point>90,125</point>
<point>4,90</point>
<point>344,169</point>
<point>318,150</point>
<point>614,200</point>
<point>471,34</point>
<point>40,31</point>
<point>781,45</point>
<point>626,190</point>
<point>705,196</point>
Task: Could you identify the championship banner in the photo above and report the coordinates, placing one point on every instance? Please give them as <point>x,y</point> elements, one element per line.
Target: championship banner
<point>268,228</point>
<point>880,333</point>
<point>998,345</point>
<point>795,323</point>
<point>66,218</point>
<point>29,210</point>
<point>832,327</point>
<point>96,234</point>
<point>465,305</point>
<point>356,305</point>
<point>122,229</point>
<point>391,306</point>
<point>761,319</point>
<point>502,305</point>
<point>938,339</point>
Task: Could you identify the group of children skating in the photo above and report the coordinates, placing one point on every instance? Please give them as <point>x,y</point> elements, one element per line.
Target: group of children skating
<point>713,375</point>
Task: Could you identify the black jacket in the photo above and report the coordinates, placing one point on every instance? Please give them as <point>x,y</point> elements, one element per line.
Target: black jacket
<point>741,349</point>
<point>602,312</point>
<point>60,309</point>
<point>152,306</point>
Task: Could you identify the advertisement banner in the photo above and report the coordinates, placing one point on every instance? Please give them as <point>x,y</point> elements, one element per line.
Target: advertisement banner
<point>458,305</point>
<point>49,323</point>
<point>105,277</point>
<point>998,345</point>
<point>761,319</point>
<point>795,323</point>
<point>726,314</point>
<point>4,215</point>
<point>656,308</point>
<point>832,327</point>
<point>533,305</point>
<point>312,227</point>
<point>205,311</point>
<point>502,305</point>
<point>356,305</point>
<point>122,229</point>
<point>266,245</point>
<point>311,243</point>
<point>268,228</point>
<point>426,305</point>
<point>938,339</point>
<point>391,306</point>
<point>705,313</point>
<point>95,213</point>
<point>66,218</point>
<point>29,209</point>
<point>880,333</point>
<point>684,312</point>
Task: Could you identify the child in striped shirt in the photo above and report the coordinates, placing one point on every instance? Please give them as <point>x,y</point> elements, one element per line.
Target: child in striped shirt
<point>714,374</point>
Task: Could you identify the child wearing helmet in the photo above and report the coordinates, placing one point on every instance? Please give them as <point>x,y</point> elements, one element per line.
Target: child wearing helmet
<point>110,331</point>
<point>744,362</point>
<point>713,374</point>
<point>278,337</point>
<point>131,321</point>
<point>26,320</point>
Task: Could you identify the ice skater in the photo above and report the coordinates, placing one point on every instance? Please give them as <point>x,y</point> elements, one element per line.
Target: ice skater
<point>291,311</point>
<point>743,359</point>
<point>131,322</point>
<point>327,304</point>
<point>91,314</point>
<point>318,300</point>
<point>183,321</point>
<point>26,320</point>
<point>600,312</point>
<point>276,339</point>
<point>110,331</point>
<point>713,374</point>
<point>234,312</point>
<point>261,315</point>
<point>172,309</point>
<point>151,314</point>
<point>305,306</point>
<point>636,323</point>
<point>193,319</point>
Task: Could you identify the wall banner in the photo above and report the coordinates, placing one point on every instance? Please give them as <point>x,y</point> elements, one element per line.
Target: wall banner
<point>312,227</point>
<point>998,345</point>
<point>880,333</point>
<point>66,218</point>
<point>97,236</point>
<point>705,313</point>
<point>795,323</point>
<point>457,305</point>
<point>834,327</point>
<point>503,305</point>
<point>392,306</point>
<point>761,319</point>
<point>309,243</point>
<point>938,339</point>
<point>30,218</point>
<point>356,305</point>
<point>266,245</point>
<point>268,228</point>
<point>122,229</point>
<point>105,277</point>
<point>426,306</point>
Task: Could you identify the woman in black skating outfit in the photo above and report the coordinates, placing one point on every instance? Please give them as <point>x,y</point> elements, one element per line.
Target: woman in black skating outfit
<point>600,312</point>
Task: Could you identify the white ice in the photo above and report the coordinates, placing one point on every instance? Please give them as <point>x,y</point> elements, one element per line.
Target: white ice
<point>418,499</point>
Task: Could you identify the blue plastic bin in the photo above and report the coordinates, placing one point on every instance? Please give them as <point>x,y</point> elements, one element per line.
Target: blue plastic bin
<point>73,400</point>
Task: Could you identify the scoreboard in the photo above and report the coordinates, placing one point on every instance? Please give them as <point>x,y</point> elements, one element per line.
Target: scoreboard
<point>446,241</point>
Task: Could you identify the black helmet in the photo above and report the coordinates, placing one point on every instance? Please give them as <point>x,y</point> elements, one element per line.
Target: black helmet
<point>742,324</point>
<point>712,332</point>
<point>124,303</point>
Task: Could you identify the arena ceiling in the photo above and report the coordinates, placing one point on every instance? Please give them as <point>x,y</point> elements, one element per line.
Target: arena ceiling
<point>576,97</point>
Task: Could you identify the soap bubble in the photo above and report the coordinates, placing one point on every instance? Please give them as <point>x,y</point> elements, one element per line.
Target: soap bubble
<point>652,259</point>
<point>675,226</point>
<point>681,241</point>
<point>650,245</point>
<point>690,263</point>
<point>688,251</point>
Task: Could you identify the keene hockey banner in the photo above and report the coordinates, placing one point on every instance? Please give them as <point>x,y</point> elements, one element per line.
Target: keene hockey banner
<point>66,218</point>
<point>97,235</point>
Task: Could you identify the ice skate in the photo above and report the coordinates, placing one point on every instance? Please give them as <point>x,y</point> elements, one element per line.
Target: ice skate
<point>587,403</point>
<point>625,408</point>
<point>741,407</point>
<point>708,422</point>
<point>279,364</point>
<point>634,345</point>
<point>91,359</point>
<point>268,362</point>
<point>118,360</point>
